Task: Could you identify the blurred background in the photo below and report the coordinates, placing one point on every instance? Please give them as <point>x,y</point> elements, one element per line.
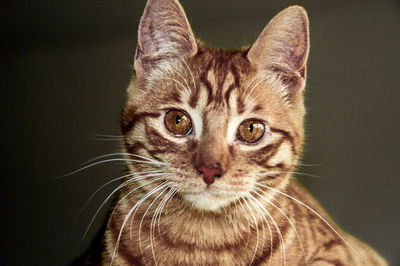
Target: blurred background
<point>65,67</point>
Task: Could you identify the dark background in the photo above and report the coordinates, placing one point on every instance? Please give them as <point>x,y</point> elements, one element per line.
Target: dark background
<point>64,73</point>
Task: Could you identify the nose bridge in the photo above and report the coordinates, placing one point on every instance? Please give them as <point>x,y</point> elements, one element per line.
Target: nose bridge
<point>213,145</point>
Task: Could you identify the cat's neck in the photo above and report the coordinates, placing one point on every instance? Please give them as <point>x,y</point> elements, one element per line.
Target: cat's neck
<point>181,227</point>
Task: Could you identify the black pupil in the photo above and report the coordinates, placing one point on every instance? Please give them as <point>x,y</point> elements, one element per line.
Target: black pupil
<point>251,128</point>
<point>177,119</point>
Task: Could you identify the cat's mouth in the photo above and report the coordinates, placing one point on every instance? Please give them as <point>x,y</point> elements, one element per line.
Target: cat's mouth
<point>210,200</point>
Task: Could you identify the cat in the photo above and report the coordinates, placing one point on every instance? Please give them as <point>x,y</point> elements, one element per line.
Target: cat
<point>211,138</point>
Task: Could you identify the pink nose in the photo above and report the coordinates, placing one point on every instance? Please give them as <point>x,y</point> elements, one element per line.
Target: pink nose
<point>209,173</point>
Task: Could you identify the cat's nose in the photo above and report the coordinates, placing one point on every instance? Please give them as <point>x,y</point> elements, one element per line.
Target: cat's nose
<point>209,173</point>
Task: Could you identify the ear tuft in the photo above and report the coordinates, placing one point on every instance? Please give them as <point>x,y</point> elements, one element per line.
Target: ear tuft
<point>282,48</point>
<point>164,32</point>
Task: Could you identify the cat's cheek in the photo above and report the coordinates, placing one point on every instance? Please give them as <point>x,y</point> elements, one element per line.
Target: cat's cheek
<point>283,158</point>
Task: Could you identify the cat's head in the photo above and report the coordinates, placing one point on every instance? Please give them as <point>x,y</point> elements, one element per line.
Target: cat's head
<point>218,121</point>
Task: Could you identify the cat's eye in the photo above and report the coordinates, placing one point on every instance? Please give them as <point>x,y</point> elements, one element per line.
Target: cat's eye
<point>178,122</point>
<point>251,131</point>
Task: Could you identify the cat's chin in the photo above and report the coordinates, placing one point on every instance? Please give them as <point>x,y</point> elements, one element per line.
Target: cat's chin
<point>209,200</point>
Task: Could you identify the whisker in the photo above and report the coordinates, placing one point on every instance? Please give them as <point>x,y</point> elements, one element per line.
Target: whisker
<point>252,89</point>
<point>184,80</point>
<point>114,191</point>
<point>280,172</point>
<point>112,181</point>
<point>105,139</point>
<point>122,154</point>
<point>311,209</point>
<point>190,71</point>
<point>256,225</point>
<point>107,136</point>
<point>107,161</point>
<point>276,227</point>
<point>244,210</point>
<point>143,216</point>
<point>248,85</point>
<point>309,164</point>
<point>255,203</point>
<point>287,218</point>
<point>144,198</point>
<point>177,82</point>
<point>127,195</point>
<point>162,208</point>
<point>154,218</point>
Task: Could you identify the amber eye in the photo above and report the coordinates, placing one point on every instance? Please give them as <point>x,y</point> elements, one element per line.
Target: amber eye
<point>178,123</point>
<point>250,131</point>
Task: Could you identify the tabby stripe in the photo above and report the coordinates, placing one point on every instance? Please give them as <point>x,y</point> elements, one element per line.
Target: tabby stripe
<point>195,96</point>
<point>157,140</point>
<point>206,82</point>
<point>221,82</point>
<point>269,151</point>
<point>287,135</point>
<point>190,247</point>
<point>240,105</point>
<point>228,93</point>
<point>175,96</point>
<point>333,262</point>
<point>128,120</point>
<point>236,84</point>
<point>331,244</point>
<point>134,147</point>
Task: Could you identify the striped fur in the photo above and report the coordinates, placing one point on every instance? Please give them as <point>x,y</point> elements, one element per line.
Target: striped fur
<point>255,213</point>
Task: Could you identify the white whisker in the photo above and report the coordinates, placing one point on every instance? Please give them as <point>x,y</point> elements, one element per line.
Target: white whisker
<point>112,181</point>
<point>122,154</point>
<point>280,172</point>
<point>248,85</point>
<point>145,197</point>
<point>276,227</point>
<point>115,190</point>
<point>105,139</point>
<point>287,218</point>
<point>107,161</point>
<point>312,210</point>
<point>107,136</point>
<point>184,80</point>
<point>162,208</point>
<point>308,164</point>
<point>252,89</point>
<point>177,82</point>
<point>154,218</point>
<point>191,73</point>
<point>256,225</point>
<point>143,216</point>
<point>255,203</point>
<point>244,210</point>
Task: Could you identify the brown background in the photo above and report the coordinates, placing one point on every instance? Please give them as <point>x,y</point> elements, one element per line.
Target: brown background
<point>67,64</point>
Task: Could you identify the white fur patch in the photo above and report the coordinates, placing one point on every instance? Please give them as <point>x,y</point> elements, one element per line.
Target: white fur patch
<point>209,200</point>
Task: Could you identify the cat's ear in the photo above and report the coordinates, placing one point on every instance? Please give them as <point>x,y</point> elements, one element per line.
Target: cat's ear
<point>164,32</point>
<point>282,48</point>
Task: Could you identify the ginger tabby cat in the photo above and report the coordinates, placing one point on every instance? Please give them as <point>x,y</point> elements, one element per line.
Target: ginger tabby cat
<point>211,138</point>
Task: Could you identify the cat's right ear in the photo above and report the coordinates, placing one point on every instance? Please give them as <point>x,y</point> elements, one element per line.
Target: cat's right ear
<point>282,49</point>
<point>164,32</point>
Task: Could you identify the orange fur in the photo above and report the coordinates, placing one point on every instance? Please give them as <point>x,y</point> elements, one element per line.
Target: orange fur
<point>252,212</point>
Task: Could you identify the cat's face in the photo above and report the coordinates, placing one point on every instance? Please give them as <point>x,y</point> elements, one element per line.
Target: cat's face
<point>218,121</point>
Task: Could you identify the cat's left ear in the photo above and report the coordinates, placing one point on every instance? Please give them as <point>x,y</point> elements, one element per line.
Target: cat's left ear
<point>164,32</point>
<point>282,48</point>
